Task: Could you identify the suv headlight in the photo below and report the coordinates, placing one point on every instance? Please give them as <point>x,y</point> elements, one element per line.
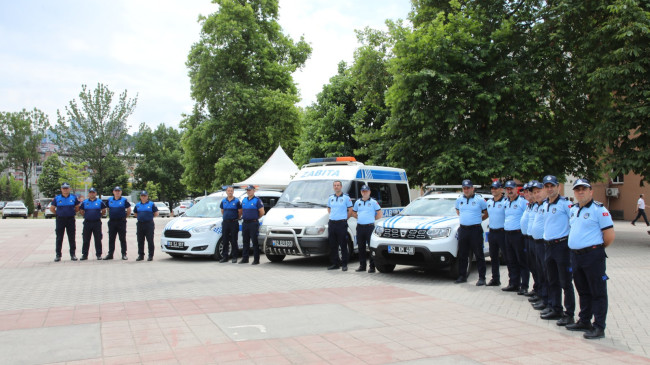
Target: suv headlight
<point>434,233</point>
<point>379,230</point>
<point>314,230</point>
<point>264,229</point>
<point>204,228</point>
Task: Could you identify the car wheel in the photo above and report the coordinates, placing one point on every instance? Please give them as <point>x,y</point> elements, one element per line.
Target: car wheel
<point>454,269</point>
<point>217,250</point>
<point>175,255</point>
<point>275,258</point>
<point>3,217</point>
<point>385,268</point>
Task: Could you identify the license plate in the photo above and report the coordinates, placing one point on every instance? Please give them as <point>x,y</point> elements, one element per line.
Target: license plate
<point>282,243</point>
<point>402,250</point>
<point>175,244</point>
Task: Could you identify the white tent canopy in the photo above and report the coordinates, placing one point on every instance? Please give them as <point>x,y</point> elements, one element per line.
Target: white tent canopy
<point>276,173</point>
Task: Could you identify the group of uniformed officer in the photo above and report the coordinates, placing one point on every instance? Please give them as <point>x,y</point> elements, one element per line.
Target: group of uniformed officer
<point>65,206</point>
<point>544,234</point>
<point>250,209</point>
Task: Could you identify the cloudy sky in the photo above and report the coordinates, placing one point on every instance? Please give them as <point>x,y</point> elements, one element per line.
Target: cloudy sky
<point>48,49</point>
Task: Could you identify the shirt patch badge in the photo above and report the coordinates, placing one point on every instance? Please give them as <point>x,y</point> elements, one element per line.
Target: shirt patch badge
<point>554,210</point>
<point>586,215</point>
<point>605,214</point>
<point>473,203</point>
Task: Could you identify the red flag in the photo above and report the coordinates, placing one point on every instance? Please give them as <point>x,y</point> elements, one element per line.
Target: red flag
<point>605,214</point>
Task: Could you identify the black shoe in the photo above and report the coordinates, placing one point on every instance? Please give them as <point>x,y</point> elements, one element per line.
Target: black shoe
<point>99,257</point>
<point>73,258</point>
<point>150,258</point>
<point>551,315</point>
<point>243,261</point>
<point>371,270</point>
<point>234,260</point>
<point>565,320</point>
<point>108,257</point>
<point>494,283</point>
<point>480,282</point>
<point>633,223</point>
<point>539,306</point>
<point>546,310</point>
<point>534,299</point>
<point>531,294</point>
<point>255,262</point>
<point>360,269</point>
<point>344,268</point>
<point>57,259</point>
<point>461,279</point>
<point>595,333</point>
<point>510,288</point>
<point>84,257</point>
<point>579,326</point>
<point>223,260</point>
<point>140,258</point>
<point>522,291</point>
<point>124,257</point>
<point>333,267</point>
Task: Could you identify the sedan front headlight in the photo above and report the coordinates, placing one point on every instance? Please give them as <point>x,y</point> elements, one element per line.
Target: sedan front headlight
<point>379,230</point>
<point>314,230</point>
<point>434,233</point>
<point>204,228</point>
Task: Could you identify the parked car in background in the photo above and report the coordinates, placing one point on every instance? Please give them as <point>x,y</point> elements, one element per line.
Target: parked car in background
<point>182,207</point>
<point>2,204</point>
<point>163,209</point>
<point>14,209</point>
<point>47,213</point>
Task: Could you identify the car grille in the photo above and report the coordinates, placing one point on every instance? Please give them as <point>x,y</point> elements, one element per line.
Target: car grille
<point>177,233</point>
<point>297,230</point>
<point>409,234</point>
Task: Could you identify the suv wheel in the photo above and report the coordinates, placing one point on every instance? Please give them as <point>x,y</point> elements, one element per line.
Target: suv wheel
<point>385,268</point>
<point>275,258</point>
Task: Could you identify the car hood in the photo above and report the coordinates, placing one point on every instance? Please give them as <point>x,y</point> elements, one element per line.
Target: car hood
<point>418,222</point>
<point>187,223</point>
<point>296,217</point>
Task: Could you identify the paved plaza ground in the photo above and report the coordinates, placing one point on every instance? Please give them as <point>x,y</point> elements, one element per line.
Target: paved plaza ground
<point>195,311</point>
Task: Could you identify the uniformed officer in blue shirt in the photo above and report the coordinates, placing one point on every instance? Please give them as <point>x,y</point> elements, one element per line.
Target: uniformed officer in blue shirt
<point>65,206</point>
<point>231,210</point>
<point>536,231</point>
<point>92,210</point>
<point>558,255</point>
<point>472,210</point>
<point>252,211</point>
<point>496,236</point>
<point>591,231</point>
<point>529,243</point>
<point>366,210</point>
<point>144,211</point>
<point>118,209</point>
<point>339,207</point>
<point>515,246</point>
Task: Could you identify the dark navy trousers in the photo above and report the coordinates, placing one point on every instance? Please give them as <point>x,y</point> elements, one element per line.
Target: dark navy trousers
<point>558,266</point>
<point>364,232</point>
<point>229,231</point>
<point>250,232</point>
<point>338,238</point>
<point>116,227</point>
<point>497,241</point>
<point>471,238</point>
<point>145,230</point>
<point>65,225</point>
<point>542,275</point>
<point>516,249</point>
<point>92,229</point>
<point>531,254</point>
<point>591,283</point>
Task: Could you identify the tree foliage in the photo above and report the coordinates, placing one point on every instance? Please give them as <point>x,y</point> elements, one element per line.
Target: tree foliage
<point>28,198</point>
<point>114,175</point>
<point>49,181</point>
<point>10,188</point>
<point>74,174</point>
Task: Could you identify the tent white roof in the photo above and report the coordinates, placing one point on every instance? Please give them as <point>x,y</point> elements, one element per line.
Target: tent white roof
<point>276,172</point>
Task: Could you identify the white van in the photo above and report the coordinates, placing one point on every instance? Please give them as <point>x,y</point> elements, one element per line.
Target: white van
<point>198,231</point>
<point>297,225</point>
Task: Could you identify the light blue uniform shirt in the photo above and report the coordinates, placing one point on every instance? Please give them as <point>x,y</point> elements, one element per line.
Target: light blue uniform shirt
<point>471,209</point>
<point>366,210</point>
<point>532,212</point>
<point>557,218</point>
<point>588,224</point>
<point>539,222</point>
<point>496,211</point>
<point>523,223</point>
<point>514,210</point>
<point>339,206</point>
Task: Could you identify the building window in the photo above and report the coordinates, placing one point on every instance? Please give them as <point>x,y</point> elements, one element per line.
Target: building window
<point>618,179</point>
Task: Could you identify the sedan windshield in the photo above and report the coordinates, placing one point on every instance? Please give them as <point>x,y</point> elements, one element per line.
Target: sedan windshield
<point>206,208</point>
<point>431,207</point>
<point>307,193</point>
<point>15,205</point>
<point>161,205</point>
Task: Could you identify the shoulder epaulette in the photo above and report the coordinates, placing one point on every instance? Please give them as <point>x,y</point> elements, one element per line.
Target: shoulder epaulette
<point>598,203</point>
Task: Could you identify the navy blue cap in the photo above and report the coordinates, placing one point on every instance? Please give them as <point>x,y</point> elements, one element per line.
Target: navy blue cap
<point>144,192</point>
<point>250,187</point>
<point>537,184</point>
<point>365,187</point>
<point>550,179</point>
<point>525,187</point>
<point>65,185</point>
<point>496,184</point>
<point>467,183</point>
<point>92,190</point>
<point>531,185</point>
<point>117,188</point>
<point>581,182</point>
<point>511,184</point>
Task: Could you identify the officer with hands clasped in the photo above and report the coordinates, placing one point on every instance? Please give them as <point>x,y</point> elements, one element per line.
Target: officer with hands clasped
<point>65,206</point>
<point>366,210</point>
<point>472,210</point>
<point>515,245</point>
<point>252,211</point>
<point>231,210</point>
<point>118,209</point>
<point>536,230</point>
<point>496,236</point>
<point>144,211</point>
<point>591,231</point>
<point>529,243</point>
<point>339,207</point>
<point>92,210</point>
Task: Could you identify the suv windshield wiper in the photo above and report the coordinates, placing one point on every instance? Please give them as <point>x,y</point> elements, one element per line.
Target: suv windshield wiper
<point>311,203</point>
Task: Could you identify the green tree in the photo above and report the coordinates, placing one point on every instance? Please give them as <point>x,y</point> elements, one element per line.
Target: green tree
<point>10,188</point>
<point>28,198</point>
<point>95,130</point>
<point>20,137</point>
<point>240,73</point>
<point>152,189</point>
<point>115,175</point>
<point>49,181</point>
<point>74,174</point>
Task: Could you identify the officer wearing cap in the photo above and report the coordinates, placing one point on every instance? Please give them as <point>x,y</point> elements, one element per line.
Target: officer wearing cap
<point>118,209</point>
<point>366,210</point>
<point>536,231</point>
<point>472,210</point>
<point>92,210</point>
<point>515,246</point>
<point>339,207</point>
<point>144,211</point>
<point>529,243</point>
<point>558,255</point>
<point>591,231</point>
<point>496,236</point>
<point>231,210</point>
<point>252,211</point>
<point>65,206</point>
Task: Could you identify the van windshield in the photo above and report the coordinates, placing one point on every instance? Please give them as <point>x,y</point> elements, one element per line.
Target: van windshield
<point>207,208</point>
<point>309,193</point>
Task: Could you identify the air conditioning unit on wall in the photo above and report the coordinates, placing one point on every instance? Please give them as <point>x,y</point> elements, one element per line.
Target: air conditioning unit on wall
<point>613,192</point>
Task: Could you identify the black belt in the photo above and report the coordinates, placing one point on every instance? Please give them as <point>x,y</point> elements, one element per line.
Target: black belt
<point>366,225</point>
<point>556,241</point>
<point>250,221</point>
<point>496,230</point>
<point>65,217</point>
<point>540,241</point>
<point>585,250</point>
<point>92,221</point>
<point>338,221</point>
<point>471,226</point>
<point>513,230</point>
<point>117,219</point>
<point>231,220</point>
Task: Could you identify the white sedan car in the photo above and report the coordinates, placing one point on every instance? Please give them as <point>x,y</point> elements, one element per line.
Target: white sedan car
<point>14,209</point>
<point>424,234</point>
<point>163,209</point>
<point>182,207</point>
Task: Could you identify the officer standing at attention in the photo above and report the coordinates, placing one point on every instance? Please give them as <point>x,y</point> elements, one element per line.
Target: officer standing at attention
<point>339,207</point>
<point>496,236</point>
<point>92,210</point>
<point>472,210</point>
<point>540,301</point>
<point>118,209</point>
<point>515,246</point>
<point>366,210</point>
<point>65,206</point>
<point>529,243</point>
<point>252,211</point>
<point>591,231</point>
<point>558,255</point>
<point>144,211</point>
<point>231,210</point>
